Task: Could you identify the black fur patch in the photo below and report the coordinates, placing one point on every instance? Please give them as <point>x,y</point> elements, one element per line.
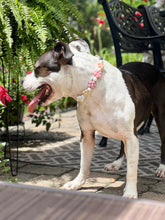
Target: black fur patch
<point>46,64</point>
<point>146,73</point>
<point>140,79</point>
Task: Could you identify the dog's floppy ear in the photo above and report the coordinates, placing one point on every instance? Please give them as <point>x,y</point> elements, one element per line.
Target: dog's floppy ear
<point>62,53</point>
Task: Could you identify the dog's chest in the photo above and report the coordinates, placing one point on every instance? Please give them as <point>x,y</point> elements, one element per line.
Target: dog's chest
<point>109,121</point>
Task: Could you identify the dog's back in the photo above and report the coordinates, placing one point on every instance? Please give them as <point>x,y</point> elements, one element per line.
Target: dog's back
<point>147,88</point>
<point>146,73</point>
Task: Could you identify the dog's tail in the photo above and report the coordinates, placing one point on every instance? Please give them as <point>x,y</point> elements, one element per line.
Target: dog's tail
<point>148,74</point>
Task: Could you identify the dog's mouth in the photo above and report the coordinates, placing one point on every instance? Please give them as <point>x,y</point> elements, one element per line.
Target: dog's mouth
<point>41,97</point>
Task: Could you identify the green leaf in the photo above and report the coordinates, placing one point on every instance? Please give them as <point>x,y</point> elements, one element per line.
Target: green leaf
<point>2,144</point>
<point>2,164</point>
<point>1,154</point>
<point>6,169</point>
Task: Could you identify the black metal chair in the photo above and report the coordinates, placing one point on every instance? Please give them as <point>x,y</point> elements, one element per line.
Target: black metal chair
<point>135,30</point>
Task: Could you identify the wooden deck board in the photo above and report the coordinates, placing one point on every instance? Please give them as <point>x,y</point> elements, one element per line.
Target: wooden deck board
<point>19,202</point>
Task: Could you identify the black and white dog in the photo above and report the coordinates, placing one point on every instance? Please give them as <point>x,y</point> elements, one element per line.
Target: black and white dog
<point>114,102</point>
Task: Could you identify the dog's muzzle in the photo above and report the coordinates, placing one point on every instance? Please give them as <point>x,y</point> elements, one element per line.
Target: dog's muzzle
<point>41,97</point>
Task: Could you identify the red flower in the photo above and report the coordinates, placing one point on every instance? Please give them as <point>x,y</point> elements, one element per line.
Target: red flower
<point>122,16</point>
<point>23,97</point>
<point>29,72</point>
<point>28,102</point>
<point>13,81</point>
<point>96,19</point>
<point>141,25</point>
<point>101,22</point>
<point>4,95</point>
<point>135,18</point>
<point>137,13</point>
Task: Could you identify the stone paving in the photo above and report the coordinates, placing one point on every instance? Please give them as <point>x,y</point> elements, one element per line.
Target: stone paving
<point>66,153</point>
<point>51,159</point>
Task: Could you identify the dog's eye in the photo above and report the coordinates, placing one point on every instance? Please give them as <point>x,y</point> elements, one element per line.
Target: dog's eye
<point>78,48</point>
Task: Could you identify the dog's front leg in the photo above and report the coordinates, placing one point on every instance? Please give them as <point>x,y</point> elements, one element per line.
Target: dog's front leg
<point>132,153</point>
<point>87,146</point>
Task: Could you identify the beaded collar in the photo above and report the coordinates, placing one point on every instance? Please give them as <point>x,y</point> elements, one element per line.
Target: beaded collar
<point>92,82</point>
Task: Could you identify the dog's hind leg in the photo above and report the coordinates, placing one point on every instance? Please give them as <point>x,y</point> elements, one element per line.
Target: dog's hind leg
<point>132,154</point>
<point>103,142</point>
<point>145,128</point>
<point>115,166</point>
<point>160,120</point>
<point>87,146</point>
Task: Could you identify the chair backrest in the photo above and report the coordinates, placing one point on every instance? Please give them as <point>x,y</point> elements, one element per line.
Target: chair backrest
<point>157,22</point>
<point>128,20</point>
<point>125,21</point>
<point>132,30</point>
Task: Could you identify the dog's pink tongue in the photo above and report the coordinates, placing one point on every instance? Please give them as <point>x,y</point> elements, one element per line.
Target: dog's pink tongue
<point>32,105</point>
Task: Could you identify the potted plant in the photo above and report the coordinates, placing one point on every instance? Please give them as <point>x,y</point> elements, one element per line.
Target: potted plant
<point>12,110</point>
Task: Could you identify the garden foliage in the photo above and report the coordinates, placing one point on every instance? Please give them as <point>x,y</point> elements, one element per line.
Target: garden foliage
<point>27,29</point>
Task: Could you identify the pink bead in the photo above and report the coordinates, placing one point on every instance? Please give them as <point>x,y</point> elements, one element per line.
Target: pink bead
<point>92,84</point>
<point>97,74</point>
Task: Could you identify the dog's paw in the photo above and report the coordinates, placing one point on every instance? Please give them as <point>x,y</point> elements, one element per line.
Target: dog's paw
<point>111,167</point>
<point>160,172</point>
<point>130,193</point>
<point>130,190</point>
<point>72,185</point>
<point>115,166</point>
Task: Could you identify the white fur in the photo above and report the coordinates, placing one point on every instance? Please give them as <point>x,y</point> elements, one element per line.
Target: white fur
<point>86,146</point>
<point>161,171</point>
<point>115,166</point>
<point>108,109</point>
<point>80,45</point>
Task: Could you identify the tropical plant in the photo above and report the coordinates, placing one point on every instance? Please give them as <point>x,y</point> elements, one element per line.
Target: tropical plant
<point>27,29</point>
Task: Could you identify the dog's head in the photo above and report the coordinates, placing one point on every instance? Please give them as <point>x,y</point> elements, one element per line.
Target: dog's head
<point>80,45</point>
<point>52,73</point>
